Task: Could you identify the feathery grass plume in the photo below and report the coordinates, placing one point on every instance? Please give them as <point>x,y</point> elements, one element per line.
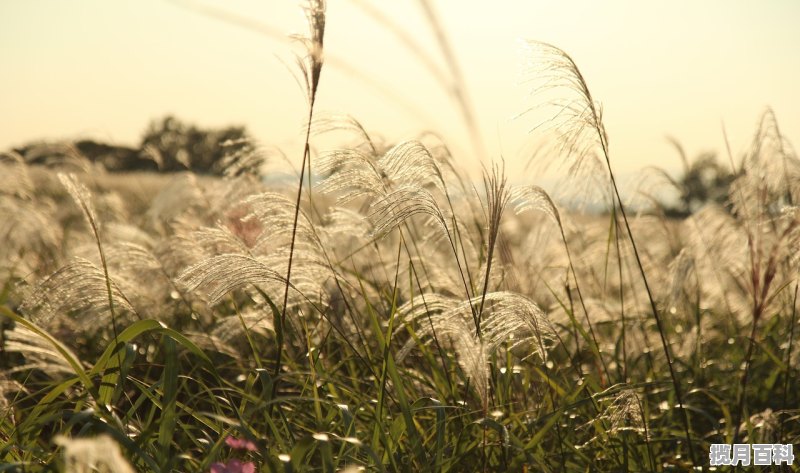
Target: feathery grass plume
<point>578,121</point>
<point>352,173</point>
<point>311,67</point>
<point>144,279</point>
<point>773,161</point>
<point>258,320</point>
<point>405,202</point>
<point>410,162</point>
<point>180,196</point>
<point>355,173</point>
<point>221,274</point>
<point>681,271</point>
<point>310,64</point>
<point>509,317</point>
<point>129,233</point>
<point>623,412</point>
<point>530,197</point>
<point>516,318</point>
<point>451,320</point>
<point>14,178</point>
<point>81,288</point>
<point>31,237</point>
<point>38,354</point>
<point>325,122</point>
<point>101,454</point>
<point>583,134</point>
<point>497,197</point>
<point>275,214</point>
<point>82,198</point>
<point>219,239</point>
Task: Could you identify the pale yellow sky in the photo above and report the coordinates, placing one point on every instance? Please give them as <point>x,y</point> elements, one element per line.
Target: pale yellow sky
<point>102,69</point>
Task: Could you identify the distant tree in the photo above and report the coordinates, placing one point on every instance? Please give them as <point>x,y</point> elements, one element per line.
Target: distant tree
<point>176,145</point>
<point>704,180</point>
<point>114,157</point>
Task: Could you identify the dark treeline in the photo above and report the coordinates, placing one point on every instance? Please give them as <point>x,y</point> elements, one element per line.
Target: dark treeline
<point>167,145</point>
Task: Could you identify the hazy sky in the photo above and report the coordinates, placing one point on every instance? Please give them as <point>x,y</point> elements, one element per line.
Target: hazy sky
<point>103,69</point>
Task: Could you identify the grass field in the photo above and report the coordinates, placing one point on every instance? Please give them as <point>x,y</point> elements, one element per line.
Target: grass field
<point>393,314</point>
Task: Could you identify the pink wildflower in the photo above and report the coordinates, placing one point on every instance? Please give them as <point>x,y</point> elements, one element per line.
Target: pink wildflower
<point>240,444</point>
<point>233,466</point>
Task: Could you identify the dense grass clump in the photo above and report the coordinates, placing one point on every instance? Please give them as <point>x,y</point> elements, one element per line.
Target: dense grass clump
<point>393,316</point>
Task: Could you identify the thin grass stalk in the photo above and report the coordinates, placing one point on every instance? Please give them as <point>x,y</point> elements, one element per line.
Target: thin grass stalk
<point>496,200</point>
<point>788,361</point>
<point>621,301</point>
<point>458,88</point>
<point>650,454</point>
<point>656,316</point>
<point>315,13</point>
<point>589,116</point>
<point>760,301</point>
<point>583,306</point>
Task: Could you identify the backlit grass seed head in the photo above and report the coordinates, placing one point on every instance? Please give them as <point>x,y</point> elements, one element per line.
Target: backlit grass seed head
<point>327,122</point>
<point>37,352</point>
<point>310,63</point>
<point>31,236</point>
<point>577,119</point>
<point>14,178</point>
<point>78,287</point>
<point>410,162</point>
<point>355,173</point>
<point>82,455</point>
<point>350,173</point>
<point>82,197</point>
<point>402,204</point>
<point>623,412</point>
<point>526,198</point>
<point>217,276</point>
<point>506,314</point>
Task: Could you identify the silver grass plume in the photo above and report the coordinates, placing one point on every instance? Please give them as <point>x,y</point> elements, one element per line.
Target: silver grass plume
<point>525,198</point>
<point>577,119</point>
<point>84,455</point>
<point>83,199</point>
<point>772,161</point>
<point>221,274</point>
<point>14,178</point>
<point>79,287</point>
<point>351,173</point>
<point>254,319</point>
<point>510,318</point>
<point>497,197</point>
<point>311,63</point>
<point>356,173</point>
<point>242,158</point>
<point>275,213</point>
<point>411,162</point>
<point>583,134</point>
<point>326,123</point>
<point>405,202</point>
<point>31,236</point>
<point>181,195</point>
<point>623,412</point>
<point>37,352</point>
